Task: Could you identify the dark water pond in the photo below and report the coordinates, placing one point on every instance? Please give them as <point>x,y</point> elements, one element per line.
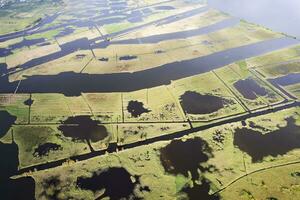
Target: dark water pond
<point>128,57</point>
<point>9,166</point>
<point>6,121</point>
<point>73,84</point>
<point>195,103</point>
<point>164,8</point>
<point>180,157</point>
<point>116,182</point>
<point>281,16</point>
<point>17,189</point>
<point>44,149</point>
<point>5,52</point>
<point>83,128</point>
<point>250,89</point>
<point>103,59</point>
<point>136,108</point>
<point>200,191</point>
<point>28,102</point>
<point>273,143</point>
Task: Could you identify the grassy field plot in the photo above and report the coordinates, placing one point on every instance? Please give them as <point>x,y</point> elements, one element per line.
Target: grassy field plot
<point>277,63</point>
<point>78,106</point>
<point>21,15</point>
<point>274,183</point>
<point>73,62</point>
<point>219,159</point>
<point>130,133</point>
<point>41,144</point>
<point>26,54</point>
<point>204,98</point>
<point>253,92</point>
<point>106,107</point>
<point>15,104</point>
<point>151,105</point>
<point>49,108</point>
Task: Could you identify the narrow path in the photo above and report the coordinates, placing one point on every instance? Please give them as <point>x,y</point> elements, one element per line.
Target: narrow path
<point>256,171</point>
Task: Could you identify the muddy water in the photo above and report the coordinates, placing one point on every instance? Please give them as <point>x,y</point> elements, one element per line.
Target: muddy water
<point>274,143</point>
<point>195,103</point>
<point>250,89</point>
<point>136,108</point>
<point>6,121</point>
<point>116,182</point>
<point>180,157</point>
<point>44,149</point>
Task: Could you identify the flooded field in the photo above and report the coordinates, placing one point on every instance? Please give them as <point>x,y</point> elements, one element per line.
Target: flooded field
<point>250,89</point>
<point>181,157</point>
<point>195,103</point>
<point>83,128</point>
<point>119,99</point>
<point>200,190</point>
<point>116,182</point>
<point>260,145</point>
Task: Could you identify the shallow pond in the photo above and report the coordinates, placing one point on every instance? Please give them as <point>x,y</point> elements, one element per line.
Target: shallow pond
<point>274,143</point>
<point>180,157</point>
<point>250,89</point>
<point>195,103</point>
<point>136,108</point>
<point>116,182</point>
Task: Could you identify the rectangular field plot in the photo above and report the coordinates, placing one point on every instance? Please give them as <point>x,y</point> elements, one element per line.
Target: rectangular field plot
<point>277,63</point>
<point>205,98</point>
<point>15,104</point>
<point>130,133</point>
<point>49,108</point>
<point>41,144</point>
<point>272,139</point>
<point>78,106</point>
<point>106,107</point>
<point>253,92</point>
<point>151,105</point>
<point>294,90</point>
